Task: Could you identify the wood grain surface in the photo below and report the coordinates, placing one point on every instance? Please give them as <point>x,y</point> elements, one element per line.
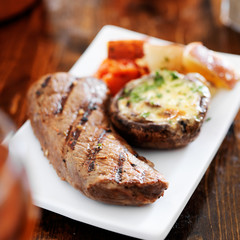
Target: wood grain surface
<point>52,35</point>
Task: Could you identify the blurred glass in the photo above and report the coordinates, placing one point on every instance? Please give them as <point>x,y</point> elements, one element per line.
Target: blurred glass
<point>230,13</point>
<point>18,216</point>
<point>227,12</point>
<point>7,126</point>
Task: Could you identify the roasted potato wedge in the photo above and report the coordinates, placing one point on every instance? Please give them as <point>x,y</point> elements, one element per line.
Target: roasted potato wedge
<point>164,57</point>
<point>198,58</point>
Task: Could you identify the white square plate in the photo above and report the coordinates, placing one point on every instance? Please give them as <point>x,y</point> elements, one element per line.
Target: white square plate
<point>183,168</point>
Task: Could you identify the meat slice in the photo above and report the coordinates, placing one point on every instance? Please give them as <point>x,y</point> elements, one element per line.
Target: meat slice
<point>68,116</point>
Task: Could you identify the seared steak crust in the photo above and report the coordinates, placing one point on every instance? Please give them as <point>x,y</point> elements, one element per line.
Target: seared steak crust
<point>68,116</point>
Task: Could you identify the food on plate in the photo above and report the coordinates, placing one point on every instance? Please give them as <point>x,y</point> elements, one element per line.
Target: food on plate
<point>198,58</point>
<point>164,56</point>
<point>116,73</point>
<point>124,63</point>
<point>131,59</point>
<point>68,116</point>
<point>193,57</point>
<point>163,110</point>
<point>125,49</point>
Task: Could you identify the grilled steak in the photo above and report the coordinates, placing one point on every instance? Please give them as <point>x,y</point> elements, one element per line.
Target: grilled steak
<point>68,116</point>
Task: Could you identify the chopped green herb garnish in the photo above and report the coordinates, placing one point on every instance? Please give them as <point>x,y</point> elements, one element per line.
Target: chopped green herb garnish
<point>158,79</point>
<point>126,93</point>
<point>149,87</point>
<point>196,89</point>
<point>159,95</point>
<point>174,75</point>
<point>182,93</point>
<point>166,59</point>
<point>136,93</point>
<point>99,146</point>
<point>208,119</point>
<point>177,84</point>
<point>135,97</point>
<point>145,114</point>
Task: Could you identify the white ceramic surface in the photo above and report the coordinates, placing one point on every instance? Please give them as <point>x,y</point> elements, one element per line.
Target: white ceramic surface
<point>183,168</point>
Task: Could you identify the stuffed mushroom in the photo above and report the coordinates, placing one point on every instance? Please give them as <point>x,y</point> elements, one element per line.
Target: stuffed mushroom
<point>162,110</point>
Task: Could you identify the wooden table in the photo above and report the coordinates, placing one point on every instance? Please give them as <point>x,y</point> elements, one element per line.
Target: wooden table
<point>52,35</point>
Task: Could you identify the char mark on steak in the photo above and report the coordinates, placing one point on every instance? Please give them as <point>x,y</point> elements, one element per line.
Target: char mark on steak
<point>92,152</point>
<point>78,128</point>
<point>46,81</point>
<point>64,99</point>
<point>43,85</point>
<point>121,160</point>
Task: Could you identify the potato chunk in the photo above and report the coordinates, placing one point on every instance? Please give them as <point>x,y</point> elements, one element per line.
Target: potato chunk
<point>164,56</point>
<point>198,58</point>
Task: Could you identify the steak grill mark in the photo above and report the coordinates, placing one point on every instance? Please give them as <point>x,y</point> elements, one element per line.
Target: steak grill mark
<point>76,133</point>
<point>121,160</point>
<point>64,99</point>
<point>68,133</point>
<point>43,85</point>
<point>91,157</point>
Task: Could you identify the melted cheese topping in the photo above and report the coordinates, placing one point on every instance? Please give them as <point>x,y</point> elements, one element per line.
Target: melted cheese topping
<point>164,97</point>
